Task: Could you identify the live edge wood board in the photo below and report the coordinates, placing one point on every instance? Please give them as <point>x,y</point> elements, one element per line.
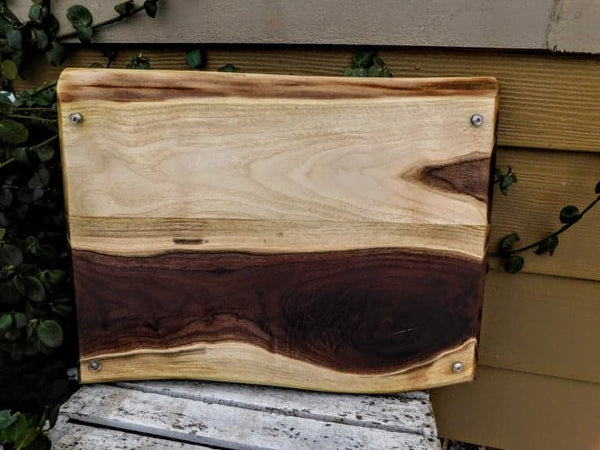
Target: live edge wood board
<point>312,232</point>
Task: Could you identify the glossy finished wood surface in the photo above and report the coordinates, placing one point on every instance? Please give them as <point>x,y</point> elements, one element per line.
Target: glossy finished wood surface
<point>306,225</point>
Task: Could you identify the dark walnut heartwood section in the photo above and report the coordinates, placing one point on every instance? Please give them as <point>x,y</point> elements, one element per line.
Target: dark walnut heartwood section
<point>311,232</point>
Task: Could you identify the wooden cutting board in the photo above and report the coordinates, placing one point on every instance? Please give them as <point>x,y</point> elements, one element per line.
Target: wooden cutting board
<point>314,232</point>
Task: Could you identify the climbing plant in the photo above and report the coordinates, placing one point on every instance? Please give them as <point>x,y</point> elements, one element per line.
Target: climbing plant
<point>37,332</point>
<point>37,323</point>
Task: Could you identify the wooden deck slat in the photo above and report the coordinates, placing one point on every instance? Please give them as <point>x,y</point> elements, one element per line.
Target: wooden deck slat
<point>74,436</point>
<point>405,413</point>
<point>197,420</point>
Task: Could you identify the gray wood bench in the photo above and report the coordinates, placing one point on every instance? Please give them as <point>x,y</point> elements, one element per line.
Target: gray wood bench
<point>197,415</point>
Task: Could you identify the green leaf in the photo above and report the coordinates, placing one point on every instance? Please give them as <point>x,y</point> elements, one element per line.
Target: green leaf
<point>196,58</point>
<point>227,68</point>
<point>350,72</point>
<point>2,230</point>
<point>125,8</point>
<point>151,7</point>
<point>597,190</point>
<point>27,438</point>
<point>6,419</point>
<point>6,322</point>
<point>14,432</point>
<point>11,254</point>
<point>41,442</point>
<point>50,333</point>
<point>569,214</point>
<point>21,156</point>
<point>56,54</point>
<point>507,243</point>
<point>547,245</point>
<point>35,12</point>
<point>363,59</point>
<point>84,33</point>
<point>53,415</point>
<point>20,320</point>
<point>9,69</point>
<point>513,264</point>
<point>54,277</point>
<point>138,62</point>
<point>45,153</point>
<point>79,16</point>
<point>35,289</point>
<point>5,25</point>
<point>52,25</point>
<point>41,38</point>
<point>6,104</point>
<point>6,199</point>
<point>10,292</point>
<point>13,132</point>
<point>96,65</point>
<point>14,39</point>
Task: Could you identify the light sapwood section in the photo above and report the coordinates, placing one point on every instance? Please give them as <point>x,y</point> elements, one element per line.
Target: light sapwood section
<point>408,412</point>
<point>237,361</point>
<point>547,101</point>
<point>225,426</point>
<point>541,324</point>
<point>131,236</point>
<point>509,409</point>
<point>261,158</point>
<point>460,23</point>
<point>547,181</point>
<point>75,436</point>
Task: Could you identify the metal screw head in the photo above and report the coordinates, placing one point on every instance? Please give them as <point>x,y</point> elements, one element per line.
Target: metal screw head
<point>457,367</point>
<point>94,365</point>
<point>477,120</point>
<point>75,118</point>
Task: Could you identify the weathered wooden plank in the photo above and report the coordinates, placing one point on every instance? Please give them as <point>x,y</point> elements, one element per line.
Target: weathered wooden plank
<point>407,412</point>
<point>546,101</point>
<point>547,181</point>
<point>225,426</point>
<point>461,23</point>
<point>75,436</point>
<point>541,324</point>
<point>509,409</point>
<point>278,150</point>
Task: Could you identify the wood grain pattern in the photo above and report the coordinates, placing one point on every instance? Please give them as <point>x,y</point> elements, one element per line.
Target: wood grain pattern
<point>547,101</point>
<point>331,224</point>
<point>317,307</point>
<point>244,363</point>
<point>275,160</point>
<point>140,236</point>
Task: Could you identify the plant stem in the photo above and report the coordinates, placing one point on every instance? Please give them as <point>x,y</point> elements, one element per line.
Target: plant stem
<point>7,13</point>
<point>40,109</point>
<point>115,19</point>
<point>43,88</point>
<point>41,119</point>
<point>7,162</point>
<point>47,141</point>
<point>561,229</point>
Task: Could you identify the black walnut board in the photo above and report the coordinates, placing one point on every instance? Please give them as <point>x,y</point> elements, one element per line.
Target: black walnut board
<point>313,232</point>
